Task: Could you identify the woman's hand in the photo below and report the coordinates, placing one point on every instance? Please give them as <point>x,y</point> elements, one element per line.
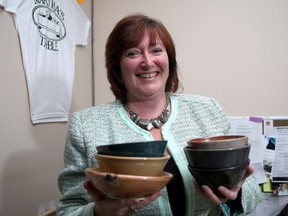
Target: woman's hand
<point>226,194</point>
<point>117,207</point>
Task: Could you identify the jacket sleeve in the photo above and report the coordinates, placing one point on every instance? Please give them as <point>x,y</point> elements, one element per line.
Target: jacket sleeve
<point>75,200</point>
<point>250,195</point>
<point>221,118</point>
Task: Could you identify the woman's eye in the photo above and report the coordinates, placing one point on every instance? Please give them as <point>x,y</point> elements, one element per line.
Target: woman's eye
<point>133,53</point>
<point>157,51</point>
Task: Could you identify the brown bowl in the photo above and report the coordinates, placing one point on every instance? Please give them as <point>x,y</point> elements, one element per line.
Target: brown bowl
<point>143,166</point>
<point>126,186</point>
<point>228,177</point>
<point>218,142</point>
<point>217,158</point>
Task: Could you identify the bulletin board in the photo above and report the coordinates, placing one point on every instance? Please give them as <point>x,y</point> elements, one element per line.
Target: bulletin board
<point>268,137</point>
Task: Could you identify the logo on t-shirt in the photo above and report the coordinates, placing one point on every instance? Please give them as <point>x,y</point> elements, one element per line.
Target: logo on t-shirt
<point>49,25</point>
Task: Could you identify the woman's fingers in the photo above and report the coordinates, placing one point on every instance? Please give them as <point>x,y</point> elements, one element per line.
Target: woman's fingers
<point>117,206</point>
<point>96,194</point>
<point>212,196</point>
<point>139,203</point>
<point>224,193</point>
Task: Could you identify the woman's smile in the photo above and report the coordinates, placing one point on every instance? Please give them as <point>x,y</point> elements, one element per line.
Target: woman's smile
<point>148,75</point>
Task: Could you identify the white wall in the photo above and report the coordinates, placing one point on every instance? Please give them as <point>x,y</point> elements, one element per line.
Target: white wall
<point>235,51</point>
<point>31,157</point>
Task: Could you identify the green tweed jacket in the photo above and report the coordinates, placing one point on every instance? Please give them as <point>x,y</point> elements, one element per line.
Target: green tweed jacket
<point>191,116</point>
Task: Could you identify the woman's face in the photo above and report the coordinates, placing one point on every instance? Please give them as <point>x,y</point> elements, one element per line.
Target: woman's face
<point>145,68</point>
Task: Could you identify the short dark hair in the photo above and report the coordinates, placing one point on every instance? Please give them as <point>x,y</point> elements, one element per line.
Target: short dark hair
<point>126,34</point>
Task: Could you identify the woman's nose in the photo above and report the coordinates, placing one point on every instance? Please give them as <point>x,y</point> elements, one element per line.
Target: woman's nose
<point>147,61</point>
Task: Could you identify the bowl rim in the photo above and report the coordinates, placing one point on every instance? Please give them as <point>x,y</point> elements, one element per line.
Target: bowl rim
<point>95,171</point>
<point>230,137</point>
<point>109,183</point>
<point>129,143</point>
<point>160,158</point>
<point>248,145</point>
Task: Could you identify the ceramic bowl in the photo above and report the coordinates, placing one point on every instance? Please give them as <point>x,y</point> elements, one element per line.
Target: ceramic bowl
<point>126,186</point>
<point>135,149</point>
<point>219,142</point>
<point>228,177</point>
<point>144,166</point>
<point>217,158</point>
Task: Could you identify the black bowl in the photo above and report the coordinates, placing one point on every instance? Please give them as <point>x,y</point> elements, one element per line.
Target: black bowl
<point>135,149</point>
<point>227,177</point>
<point>217,158</point>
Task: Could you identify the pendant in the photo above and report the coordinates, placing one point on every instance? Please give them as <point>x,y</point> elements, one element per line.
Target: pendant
<point>146,124</point>
<point>157,123</point>
<point>150,126</point>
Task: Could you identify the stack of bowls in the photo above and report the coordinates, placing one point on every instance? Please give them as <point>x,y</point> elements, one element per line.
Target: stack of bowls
<point>218,160</point>
<point>130,170</point>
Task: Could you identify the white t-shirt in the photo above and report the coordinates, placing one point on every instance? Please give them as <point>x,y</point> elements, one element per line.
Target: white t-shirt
<point>49,31</point>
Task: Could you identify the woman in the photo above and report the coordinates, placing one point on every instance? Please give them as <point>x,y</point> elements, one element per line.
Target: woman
<point>142,70</point>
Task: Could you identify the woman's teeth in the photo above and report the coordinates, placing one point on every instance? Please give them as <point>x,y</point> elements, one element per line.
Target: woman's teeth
<point>147,75</point>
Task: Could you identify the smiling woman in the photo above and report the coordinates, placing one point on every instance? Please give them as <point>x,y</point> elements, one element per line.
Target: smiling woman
<point>142,71</point>
<point>149,50</point>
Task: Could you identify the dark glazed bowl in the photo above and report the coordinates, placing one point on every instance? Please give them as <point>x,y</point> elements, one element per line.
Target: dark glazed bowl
<point>219,142</point>
<point>227,177</point>
<point>217,158</point>
<point>135,149</point>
